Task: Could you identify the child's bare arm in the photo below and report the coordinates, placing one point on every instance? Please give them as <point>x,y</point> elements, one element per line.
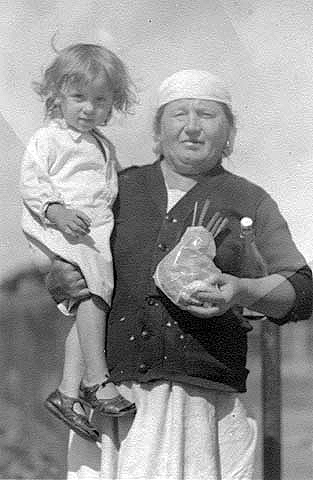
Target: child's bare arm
<point>69,221</point>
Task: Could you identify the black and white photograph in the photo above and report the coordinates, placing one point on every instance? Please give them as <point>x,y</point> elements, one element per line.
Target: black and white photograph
<point>156,253</point>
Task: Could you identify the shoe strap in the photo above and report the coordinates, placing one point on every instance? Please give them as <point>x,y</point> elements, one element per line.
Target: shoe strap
<point>71,401</point>
<point>106,381</point>
<point>94,388</point>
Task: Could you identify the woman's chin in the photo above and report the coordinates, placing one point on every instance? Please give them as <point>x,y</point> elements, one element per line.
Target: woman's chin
<point>194,166</point>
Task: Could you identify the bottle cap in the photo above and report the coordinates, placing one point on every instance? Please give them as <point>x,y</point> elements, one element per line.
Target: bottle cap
<point>246,222</point>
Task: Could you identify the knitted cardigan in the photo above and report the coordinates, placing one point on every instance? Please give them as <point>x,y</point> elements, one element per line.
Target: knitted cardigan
<point>148,337</point>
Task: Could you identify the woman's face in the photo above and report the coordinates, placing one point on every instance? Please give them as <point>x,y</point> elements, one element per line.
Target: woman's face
<point>193,134</point>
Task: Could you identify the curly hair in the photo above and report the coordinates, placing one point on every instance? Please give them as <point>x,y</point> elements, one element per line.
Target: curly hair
<point>80,64</point>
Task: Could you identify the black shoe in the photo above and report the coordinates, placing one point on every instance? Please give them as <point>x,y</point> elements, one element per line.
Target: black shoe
<point>114,407</point>
<point>62,406</point>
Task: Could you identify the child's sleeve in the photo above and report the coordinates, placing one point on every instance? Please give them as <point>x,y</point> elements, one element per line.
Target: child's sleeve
<point>36,186</point>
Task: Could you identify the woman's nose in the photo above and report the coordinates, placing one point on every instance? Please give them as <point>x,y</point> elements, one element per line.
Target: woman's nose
<point>193,125</point>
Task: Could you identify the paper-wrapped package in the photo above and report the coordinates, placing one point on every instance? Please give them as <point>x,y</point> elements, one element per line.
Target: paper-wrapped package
<point>185,269</point>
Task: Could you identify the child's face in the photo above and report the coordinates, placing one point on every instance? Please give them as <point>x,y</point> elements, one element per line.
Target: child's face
<point>86,106</point>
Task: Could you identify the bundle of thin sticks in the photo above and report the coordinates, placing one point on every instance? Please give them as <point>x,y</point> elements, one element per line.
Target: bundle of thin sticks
<point>215,225</point>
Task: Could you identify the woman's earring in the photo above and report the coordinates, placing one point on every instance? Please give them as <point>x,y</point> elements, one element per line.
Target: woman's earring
<point>227,149</point>
<point>157,147</point>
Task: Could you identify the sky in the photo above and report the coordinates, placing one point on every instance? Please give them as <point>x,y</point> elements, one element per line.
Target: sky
<point>262,48</point>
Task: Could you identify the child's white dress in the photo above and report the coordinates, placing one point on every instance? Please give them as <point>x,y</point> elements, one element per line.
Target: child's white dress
<point>79,170</point>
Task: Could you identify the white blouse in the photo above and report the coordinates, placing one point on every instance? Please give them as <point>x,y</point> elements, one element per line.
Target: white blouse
<point>63,165</point>
<point>173,197</point>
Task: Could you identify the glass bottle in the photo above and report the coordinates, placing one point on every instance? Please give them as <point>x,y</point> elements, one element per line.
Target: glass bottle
<point>252,263</point>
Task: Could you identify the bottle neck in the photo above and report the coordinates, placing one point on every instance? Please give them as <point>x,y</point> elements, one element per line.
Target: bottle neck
<point>247,234</point>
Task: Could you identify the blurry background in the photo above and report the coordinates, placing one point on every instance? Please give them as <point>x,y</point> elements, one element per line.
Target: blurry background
<point>263,50</point>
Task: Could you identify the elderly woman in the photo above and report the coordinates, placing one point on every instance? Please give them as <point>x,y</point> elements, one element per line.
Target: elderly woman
<point>185,368</point>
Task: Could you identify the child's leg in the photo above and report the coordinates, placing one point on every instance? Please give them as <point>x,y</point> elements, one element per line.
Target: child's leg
<point>74,365</point>
<point>91,327</point>
<point>64,402</point>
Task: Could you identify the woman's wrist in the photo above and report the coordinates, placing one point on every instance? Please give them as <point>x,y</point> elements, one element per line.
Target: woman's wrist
<point>272,295</point>
<point>246,292</point>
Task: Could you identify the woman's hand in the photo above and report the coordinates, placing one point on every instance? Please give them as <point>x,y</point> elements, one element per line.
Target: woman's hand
<point>66,281</point>
<point>273,295</point>
<point>224,293</point>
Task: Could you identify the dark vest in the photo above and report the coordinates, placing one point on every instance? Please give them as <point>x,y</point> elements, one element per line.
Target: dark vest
<point>149,338</point>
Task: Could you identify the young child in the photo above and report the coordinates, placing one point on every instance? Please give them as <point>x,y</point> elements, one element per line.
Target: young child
<point>68,185</point>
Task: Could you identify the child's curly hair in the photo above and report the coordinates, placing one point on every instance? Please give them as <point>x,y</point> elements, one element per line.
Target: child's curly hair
<point>78,65</point>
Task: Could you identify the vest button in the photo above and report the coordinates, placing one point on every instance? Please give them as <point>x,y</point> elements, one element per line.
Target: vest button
<point>152,301</point>
<point>143,368</point>
<point>145,334</point>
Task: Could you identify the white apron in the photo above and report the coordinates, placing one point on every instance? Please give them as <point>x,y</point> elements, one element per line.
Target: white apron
<point>180,432</point>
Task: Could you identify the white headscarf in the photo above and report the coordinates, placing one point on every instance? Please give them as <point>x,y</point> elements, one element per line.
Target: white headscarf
<point>197,84</point>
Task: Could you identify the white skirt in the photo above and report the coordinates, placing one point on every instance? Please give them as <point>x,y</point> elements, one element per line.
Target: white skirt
<point>180,432</point>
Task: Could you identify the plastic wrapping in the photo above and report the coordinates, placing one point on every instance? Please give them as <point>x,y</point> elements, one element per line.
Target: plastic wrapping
<point>185,269</point>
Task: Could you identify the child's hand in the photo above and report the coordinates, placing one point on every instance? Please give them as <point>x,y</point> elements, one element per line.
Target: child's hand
<point>69,221</point>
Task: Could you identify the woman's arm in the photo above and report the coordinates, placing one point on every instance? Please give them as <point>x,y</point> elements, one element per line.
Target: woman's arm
<point>285,294</point>
<point>274,296</point>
